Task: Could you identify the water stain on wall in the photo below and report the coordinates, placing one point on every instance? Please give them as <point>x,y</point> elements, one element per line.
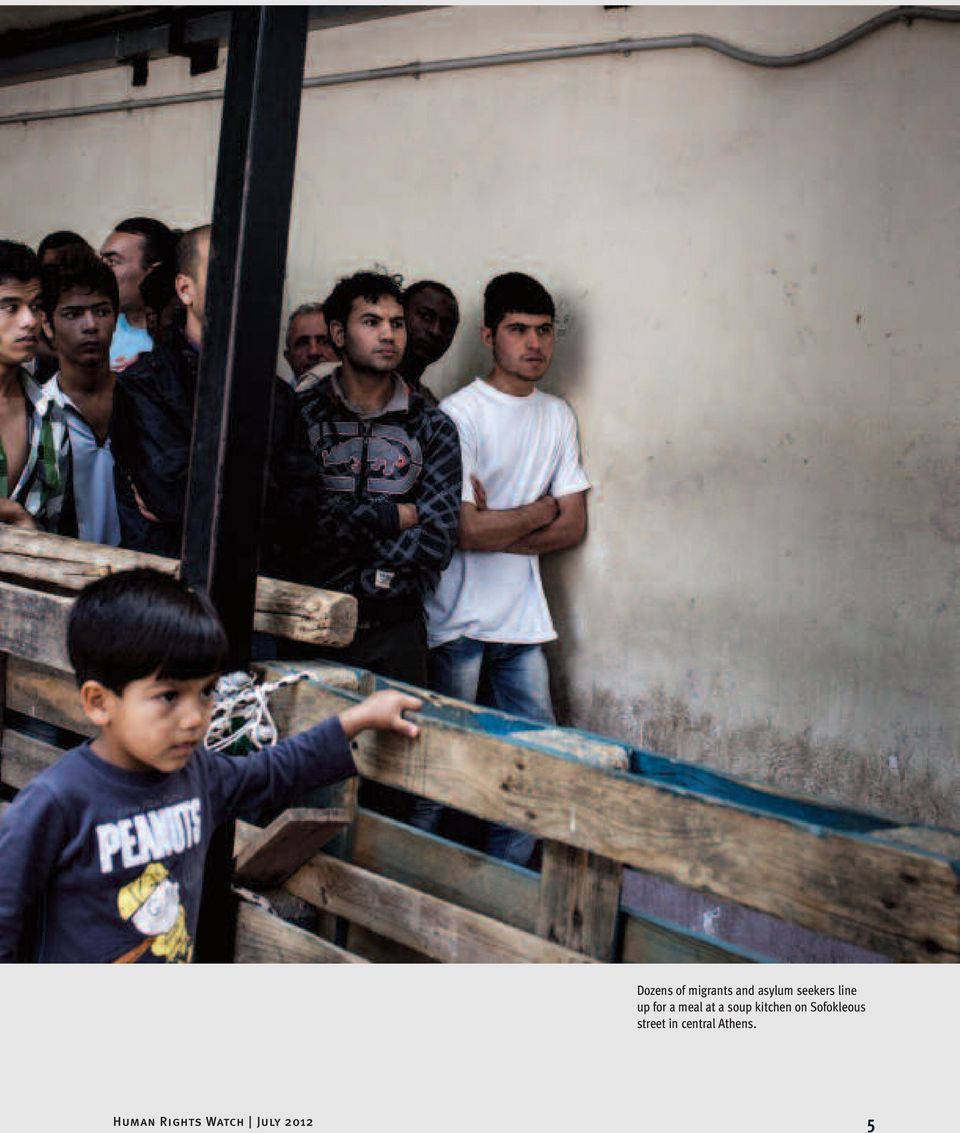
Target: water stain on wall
<point>898,781</point>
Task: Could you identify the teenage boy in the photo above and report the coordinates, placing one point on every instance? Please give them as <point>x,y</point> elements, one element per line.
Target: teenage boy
<point>81,304</point>
<point>102,855</point>
<point>308,340</point>
<point>389,469</point>
<point>49,250</point>
<point>135,247</point>
<point>524,494</point>
<point>34,452</point>
<point>432,317</point>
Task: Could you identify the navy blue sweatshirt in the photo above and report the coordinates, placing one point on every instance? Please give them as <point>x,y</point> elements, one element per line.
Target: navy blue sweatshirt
<point>109,863</point>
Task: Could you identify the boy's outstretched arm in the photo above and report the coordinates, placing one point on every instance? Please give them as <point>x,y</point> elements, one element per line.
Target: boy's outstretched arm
<point>383,710</point>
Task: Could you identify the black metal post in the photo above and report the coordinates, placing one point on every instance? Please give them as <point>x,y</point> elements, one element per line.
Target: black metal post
<point>248,250</point>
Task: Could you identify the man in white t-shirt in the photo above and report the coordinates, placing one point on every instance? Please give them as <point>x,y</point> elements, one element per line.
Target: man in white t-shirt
<point>524,494</point>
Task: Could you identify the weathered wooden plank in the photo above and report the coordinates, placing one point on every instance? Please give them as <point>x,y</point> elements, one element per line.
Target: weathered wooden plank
<point>22,757</point>
<point>585,749</point>
<point>486,885</point>
<point>899,901</point>
<point>46,694</point>
<point>426,924</point>
<point>263,938</point>
<point>443,869</point>
<point>302,613</point>
<point>579,900</point>
<point>376,949</point>
<point>281,848</point>
<point>286,609</point>
<point>34,625</point>
<point>647,942</point>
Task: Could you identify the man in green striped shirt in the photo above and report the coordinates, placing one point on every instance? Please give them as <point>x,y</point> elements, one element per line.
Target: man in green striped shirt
<point>34,452</point>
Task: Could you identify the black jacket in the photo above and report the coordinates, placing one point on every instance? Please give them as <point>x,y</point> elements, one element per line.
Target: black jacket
<point>151,437</point>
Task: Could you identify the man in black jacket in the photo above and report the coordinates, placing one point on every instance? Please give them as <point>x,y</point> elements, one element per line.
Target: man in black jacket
<point>389,469</point>
<point>152,428</point>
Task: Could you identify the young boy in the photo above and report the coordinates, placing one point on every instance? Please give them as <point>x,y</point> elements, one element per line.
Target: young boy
<point>104,851</point>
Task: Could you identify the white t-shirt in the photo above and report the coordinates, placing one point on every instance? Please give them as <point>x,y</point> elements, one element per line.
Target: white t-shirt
<point>519,448</point>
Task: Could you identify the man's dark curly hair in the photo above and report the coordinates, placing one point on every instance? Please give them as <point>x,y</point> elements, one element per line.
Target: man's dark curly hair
<point>369,285</point>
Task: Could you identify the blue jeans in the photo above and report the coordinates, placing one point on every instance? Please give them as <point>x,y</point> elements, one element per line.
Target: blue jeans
<point>510,678</point>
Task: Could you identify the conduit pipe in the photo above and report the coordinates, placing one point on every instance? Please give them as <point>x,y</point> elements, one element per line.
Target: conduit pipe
<point>547,54</point>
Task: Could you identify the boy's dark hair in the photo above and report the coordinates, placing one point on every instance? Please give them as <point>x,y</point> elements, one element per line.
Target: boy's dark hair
<point>369,285</point>
<point>422,285</point>
<point>18,262</point>
<point>159,243</point>
<point>135,623</point>
<point>515,291</point>
<point>78,268</point>
<point>62,238</point>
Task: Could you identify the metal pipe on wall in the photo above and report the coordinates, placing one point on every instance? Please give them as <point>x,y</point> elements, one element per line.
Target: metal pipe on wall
<point>508,58</point>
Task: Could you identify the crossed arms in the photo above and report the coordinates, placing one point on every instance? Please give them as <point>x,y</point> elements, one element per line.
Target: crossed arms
<point>547,524</point>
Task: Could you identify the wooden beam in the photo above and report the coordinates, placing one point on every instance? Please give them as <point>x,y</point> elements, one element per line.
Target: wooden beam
<point>579,900</point>
<point>438,929</point>
<point>45,694</point>
<point>22,757</point>
<point>443,869</point>
<point>893,898</point>
<point>647,942</point>
<point>378,949</point>
<point>263,938</point>
<point>34,625</point>
<point>492,887</point>
<point>286,609</point>
<point>280,849</point>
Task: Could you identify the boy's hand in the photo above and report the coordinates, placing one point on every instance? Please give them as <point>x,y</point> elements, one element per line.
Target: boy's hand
<point>384,710</point>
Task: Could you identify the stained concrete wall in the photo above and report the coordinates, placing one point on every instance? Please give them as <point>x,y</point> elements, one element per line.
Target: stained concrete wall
<point>757,274</point>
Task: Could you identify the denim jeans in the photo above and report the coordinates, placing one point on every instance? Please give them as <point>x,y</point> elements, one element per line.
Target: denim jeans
<point>510,678</point>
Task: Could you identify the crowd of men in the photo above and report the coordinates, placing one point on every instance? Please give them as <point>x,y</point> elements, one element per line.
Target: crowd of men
<point>432,516</point>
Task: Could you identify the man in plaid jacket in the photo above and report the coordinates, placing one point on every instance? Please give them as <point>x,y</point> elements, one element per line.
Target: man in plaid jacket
<point>389,470</point>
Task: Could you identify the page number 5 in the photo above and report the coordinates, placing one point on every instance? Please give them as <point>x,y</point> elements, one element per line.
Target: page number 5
<point>870,1125</point>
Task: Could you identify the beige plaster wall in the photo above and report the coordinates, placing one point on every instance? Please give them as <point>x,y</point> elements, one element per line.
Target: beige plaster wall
<point>757,273</point>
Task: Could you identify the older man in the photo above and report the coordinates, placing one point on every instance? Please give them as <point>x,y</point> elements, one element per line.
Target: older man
<point>308,341</point>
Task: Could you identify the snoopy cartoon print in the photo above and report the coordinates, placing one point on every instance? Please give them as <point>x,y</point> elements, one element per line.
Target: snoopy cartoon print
<point>151,903</point>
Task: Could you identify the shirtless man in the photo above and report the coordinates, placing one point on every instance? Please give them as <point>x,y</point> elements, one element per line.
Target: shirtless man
<point>34,451</point>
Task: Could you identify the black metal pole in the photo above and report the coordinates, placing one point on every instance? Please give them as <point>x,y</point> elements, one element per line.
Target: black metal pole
<point>248,251</point>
